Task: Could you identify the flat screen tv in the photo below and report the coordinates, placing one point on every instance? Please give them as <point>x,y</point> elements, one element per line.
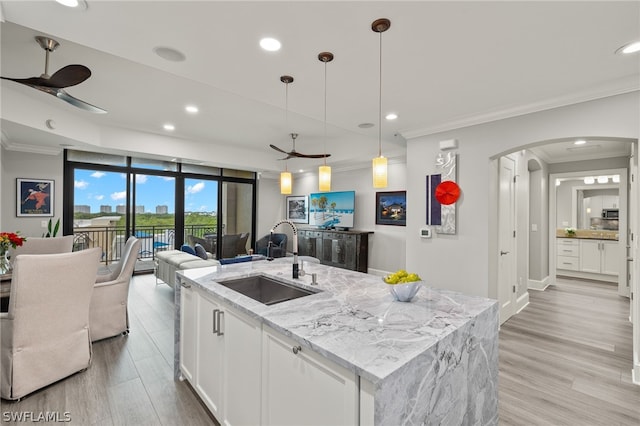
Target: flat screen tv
<point>328,210</point>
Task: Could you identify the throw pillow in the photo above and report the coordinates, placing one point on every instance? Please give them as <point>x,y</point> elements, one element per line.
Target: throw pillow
<point>201,252</point>
<point>188,249</point>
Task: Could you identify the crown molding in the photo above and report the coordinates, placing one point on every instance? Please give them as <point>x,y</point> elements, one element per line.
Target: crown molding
<point>32,149</point>
<point>617,87</point>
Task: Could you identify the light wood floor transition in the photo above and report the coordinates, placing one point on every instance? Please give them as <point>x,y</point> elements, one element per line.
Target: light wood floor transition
<point>564,360</point>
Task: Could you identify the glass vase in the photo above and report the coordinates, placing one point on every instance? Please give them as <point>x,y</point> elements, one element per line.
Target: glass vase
<point>5,266</point>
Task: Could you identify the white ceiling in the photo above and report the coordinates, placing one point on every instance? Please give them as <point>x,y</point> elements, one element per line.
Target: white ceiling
<point>445,65</point>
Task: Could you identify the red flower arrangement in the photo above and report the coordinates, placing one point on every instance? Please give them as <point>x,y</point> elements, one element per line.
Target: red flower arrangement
<point>10,239</point>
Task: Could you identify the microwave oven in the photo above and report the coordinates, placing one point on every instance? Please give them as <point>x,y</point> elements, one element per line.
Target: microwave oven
<point>609,213</point>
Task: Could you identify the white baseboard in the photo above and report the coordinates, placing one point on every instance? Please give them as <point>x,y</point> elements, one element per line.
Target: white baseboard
<point>539,285</point>
<point>522,302</point>
<point>378,272</point>
<point>635,374</point>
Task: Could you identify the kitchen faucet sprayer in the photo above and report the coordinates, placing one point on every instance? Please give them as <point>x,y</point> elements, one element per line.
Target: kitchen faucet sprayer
<point>295,243</point>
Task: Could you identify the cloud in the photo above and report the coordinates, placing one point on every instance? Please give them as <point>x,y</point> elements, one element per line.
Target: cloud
<point>119,195</point>
<point>80,184</point>
<point>97,175</point>
<point>203,208</point>
<point>194,189</point>
<point>141,178</point>
<point>99,197</point>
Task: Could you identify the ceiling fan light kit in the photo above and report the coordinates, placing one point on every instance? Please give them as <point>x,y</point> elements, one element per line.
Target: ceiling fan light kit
<point>379,163</point>
<point>55,84</point>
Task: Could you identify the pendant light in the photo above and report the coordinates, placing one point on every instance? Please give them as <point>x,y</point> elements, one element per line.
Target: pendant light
<point>379,164</point>
<point>324,171</point>
<point>286,180</point>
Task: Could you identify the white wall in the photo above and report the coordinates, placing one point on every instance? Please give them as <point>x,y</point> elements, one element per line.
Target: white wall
<point>27,165</point>
<point>467,261</point>
<point>387,244</point>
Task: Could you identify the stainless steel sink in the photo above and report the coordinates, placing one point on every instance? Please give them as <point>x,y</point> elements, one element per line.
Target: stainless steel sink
<point>265,289</point>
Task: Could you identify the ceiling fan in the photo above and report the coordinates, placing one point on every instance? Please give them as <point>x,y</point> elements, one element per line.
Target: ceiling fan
<point>286,79</point>
<point>65,77</point>
<point>295,154</point>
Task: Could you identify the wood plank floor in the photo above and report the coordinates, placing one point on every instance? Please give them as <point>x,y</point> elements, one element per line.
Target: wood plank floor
<point>130,381</point>
<point>564,360</point>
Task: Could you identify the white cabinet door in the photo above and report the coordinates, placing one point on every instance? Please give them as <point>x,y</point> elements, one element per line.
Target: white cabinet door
<point>188,313</point>
<point>209,364</point>
<point>611,257</point>
<point>242,368</point>
<point>304,388</point>
<point>590,256</point>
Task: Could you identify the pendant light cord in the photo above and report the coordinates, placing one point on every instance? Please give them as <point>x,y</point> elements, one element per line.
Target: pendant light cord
<point>380,102</point>
<point>325,113</point>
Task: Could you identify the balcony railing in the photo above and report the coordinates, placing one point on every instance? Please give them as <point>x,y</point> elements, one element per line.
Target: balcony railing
<point>112,239</point>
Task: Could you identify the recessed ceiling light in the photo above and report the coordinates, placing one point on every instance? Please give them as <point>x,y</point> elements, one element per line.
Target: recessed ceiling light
<point>603,179</point>
<point>73,3</point>
<point>580,142</point>
<point>391,116</point>
<point>366,125</point>
<point>169,53</point>
<point>589,180</point>
<point>270,44</point>
<point>629,48</point>
<point>615,178</point>
<point>191,109</point>
<point>300,170</point>
<point>170,127</point>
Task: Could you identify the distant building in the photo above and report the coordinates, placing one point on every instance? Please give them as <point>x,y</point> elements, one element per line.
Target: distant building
<point>105,209</point>
<point>139,209</point>
<point>81,209</point>
<point>162,209</point>
<point>121,209</point>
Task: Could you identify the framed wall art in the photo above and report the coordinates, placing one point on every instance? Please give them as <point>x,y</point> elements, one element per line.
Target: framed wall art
<point>391,208</point>
<point>34,197</point>
<point>298,208</point>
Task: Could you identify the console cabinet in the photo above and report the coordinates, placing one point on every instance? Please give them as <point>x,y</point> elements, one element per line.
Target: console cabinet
<point>342,249</point>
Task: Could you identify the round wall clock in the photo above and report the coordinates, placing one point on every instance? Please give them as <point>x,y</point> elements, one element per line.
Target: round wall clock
<point>447,192</point>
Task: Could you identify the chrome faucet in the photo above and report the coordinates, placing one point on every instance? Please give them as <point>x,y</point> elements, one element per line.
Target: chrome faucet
<point>295,243</point>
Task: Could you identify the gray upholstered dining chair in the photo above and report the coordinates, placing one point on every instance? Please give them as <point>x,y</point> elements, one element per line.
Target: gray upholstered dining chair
<point>109,315</point>
<point>45,333</point>
<point>34,245</point>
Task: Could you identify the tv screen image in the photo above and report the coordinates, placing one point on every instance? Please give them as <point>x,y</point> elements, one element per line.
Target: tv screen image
<point>332,209</point>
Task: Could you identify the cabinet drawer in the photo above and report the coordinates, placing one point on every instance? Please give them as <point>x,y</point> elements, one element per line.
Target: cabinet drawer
<point>568,250</point>
<point>567,262</point>
<point>565,242</point>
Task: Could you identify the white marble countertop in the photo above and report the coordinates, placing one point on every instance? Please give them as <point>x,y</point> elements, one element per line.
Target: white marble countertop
<point>353,319</point>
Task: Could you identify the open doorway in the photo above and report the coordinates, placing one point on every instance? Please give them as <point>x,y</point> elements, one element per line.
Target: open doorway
<point>589,226</point>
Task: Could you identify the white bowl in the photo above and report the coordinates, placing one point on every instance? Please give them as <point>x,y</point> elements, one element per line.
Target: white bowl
<point>404,292</point>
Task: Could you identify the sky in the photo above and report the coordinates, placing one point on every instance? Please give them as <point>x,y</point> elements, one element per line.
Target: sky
<point>96,188</point>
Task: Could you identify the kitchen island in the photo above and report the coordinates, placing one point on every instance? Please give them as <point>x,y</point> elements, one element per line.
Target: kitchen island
<point>368,359</point>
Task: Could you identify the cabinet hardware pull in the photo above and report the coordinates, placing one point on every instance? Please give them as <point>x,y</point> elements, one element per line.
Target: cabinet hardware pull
<point>184,284</point>
<point>296,349</point>
<point>502,253</point>
<point>215,317</point>
<point>219,331</point>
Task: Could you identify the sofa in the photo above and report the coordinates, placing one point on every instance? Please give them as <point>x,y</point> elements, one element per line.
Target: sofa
<point>170,261</point>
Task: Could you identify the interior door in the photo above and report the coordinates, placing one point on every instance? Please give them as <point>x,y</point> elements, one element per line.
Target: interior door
<point>506,224</point>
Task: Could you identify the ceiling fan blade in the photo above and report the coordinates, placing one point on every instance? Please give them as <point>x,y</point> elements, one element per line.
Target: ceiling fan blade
<point>61,94</point>
<point>64,77</point>
<point>297,154</point>
<point>68,76</point>
<point>278,149</point>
